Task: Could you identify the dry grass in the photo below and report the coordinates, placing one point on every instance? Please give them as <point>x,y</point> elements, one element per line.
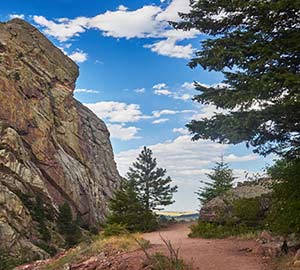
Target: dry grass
<point>160,261</point>
<point>123,243</point>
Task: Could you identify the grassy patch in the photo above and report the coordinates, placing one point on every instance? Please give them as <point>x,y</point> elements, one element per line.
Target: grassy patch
<point>159,261</point>
<point>214,230</point>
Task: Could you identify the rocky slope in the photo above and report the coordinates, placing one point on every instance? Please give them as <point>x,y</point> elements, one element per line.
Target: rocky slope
<point>51,146</point>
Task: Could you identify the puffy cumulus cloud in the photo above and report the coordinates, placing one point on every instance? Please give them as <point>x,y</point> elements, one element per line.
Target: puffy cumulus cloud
<point>78,56</point>
<point>88,91</point>
<point>119,131</point>
<point>171,12</point>
<point>139,23</point>
<point>117,112</point>
<point>159,121</point>
<point>64,28</point>
<point>168,47</point>
<point>16,16</point>
<point>149,21</point>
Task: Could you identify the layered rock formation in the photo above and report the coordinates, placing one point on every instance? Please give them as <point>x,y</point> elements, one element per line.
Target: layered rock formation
<point>51,146</point>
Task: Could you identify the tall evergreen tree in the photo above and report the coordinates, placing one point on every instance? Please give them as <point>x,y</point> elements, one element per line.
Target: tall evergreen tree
<point>221,180</point>
<point>255,44</point>
<point>127,209</point>
<point>151,183</point>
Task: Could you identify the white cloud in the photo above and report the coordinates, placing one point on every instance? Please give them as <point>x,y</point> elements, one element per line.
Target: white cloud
<point>83,90</point>
<point>184,159</point>
<point>171,12</point>
<point>182,131</point>
<point>164,112</point>
<point>169,112</point>
<point>138,23</point>
<point>79,56</point>
<point>161,89</point>
<point>122,8</point>
<point>149,21</point>
<point>207,111</point>
<point>161,120</point>
<point>159,86</point>
<point>16,16</point>
<point>187,162</point>
<point>163,92</point>
<point>119,131</point>
<point>140,90</point>
<point>234,158</point>
<point>168,47</point>
<point>188,85</point>
<point>64,29</point>
<point>118,112</point>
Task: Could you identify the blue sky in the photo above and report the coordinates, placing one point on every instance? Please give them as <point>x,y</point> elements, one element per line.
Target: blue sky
<point>134,75</point>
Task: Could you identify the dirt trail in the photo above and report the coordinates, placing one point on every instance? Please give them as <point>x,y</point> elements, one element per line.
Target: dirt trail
<point>203,254</point>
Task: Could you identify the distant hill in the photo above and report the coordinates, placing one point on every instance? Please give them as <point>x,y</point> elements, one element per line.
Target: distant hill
<point>180,216</point>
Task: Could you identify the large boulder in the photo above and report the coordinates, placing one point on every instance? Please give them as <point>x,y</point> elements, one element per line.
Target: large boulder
<point>51,146</point>
<point>221,208</point>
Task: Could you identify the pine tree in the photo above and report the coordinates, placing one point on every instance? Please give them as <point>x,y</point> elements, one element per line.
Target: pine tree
<point>127,209</point>
<point>153,187</point>
<point>255,44</point>
<point>221,180</point>
<point>67,227</point>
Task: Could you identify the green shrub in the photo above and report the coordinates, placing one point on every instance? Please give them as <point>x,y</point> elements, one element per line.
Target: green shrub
<point>213,230</point>
<point>248,211</point>
<point>114,229</point>
<point>284,216</point>
<point>127,209</point>
<point>6,261</point>
<point>67,226</point>
<point>159,261</point>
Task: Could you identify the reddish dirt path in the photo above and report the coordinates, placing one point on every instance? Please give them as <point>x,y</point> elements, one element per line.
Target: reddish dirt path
<point>203,254</point>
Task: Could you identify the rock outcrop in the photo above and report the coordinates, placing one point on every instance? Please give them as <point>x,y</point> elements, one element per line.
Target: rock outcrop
<point>51,146</point>
<point>220,209</point>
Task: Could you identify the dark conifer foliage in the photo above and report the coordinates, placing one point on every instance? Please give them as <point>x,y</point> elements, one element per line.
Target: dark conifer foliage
<point>221,180</point>
<point>255,44</point>
<point>151,183</point>
<point>127,209</point>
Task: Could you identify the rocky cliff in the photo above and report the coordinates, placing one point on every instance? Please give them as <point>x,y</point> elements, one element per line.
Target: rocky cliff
<point>51,146</point>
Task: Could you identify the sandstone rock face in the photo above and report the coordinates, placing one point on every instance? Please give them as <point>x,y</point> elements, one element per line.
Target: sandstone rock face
<point>220,208</point>
<point>50,144</point>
